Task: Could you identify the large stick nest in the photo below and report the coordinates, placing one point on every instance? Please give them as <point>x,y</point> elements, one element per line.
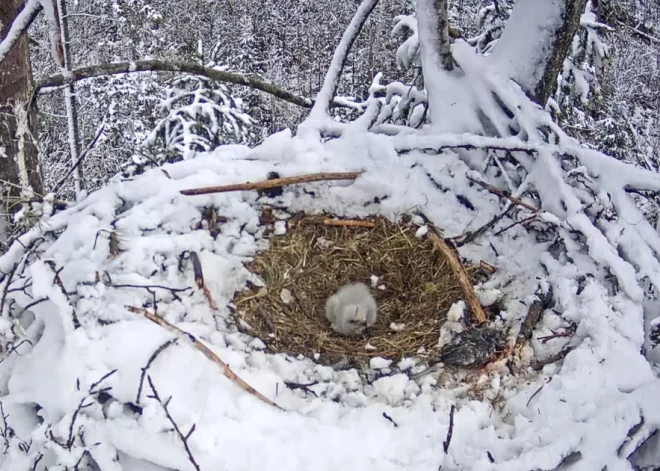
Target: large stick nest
<point>415,287</point>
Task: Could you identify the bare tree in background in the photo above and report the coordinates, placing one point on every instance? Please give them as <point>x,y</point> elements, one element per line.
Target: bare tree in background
<point>20,175</point>
<point>70,98</point>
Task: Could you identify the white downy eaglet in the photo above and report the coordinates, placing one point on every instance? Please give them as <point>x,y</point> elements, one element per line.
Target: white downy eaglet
<point>351,309</point>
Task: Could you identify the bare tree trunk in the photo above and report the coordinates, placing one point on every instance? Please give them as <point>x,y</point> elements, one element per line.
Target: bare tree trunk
<point>443,29</point>
<point>536,41</point>
<point>70,99</point>
<point>20,174</point>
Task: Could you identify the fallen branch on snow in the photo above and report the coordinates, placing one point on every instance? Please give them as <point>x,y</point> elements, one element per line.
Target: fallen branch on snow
<point>208,353</point>
<point>274,183</point>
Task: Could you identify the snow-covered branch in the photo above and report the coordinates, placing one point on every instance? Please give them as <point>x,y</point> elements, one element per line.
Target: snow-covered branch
<point>19,26</point>
<point>325,96</point>
<point>154,65</point>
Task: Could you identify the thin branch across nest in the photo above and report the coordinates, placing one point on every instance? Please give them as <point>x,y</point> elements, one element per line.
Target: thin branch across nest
<point>416,286</point>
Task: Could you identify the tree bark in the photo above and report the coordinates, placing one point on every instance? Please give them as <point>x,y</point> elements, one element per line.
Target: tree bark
<point>19,162</point>
<point>443,29</point>
<point>536,41</point>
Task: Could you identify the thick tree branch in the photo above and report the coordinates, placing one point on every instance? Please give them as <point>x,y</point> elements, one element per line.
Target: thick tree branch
<point>154,65</point>
<point>273,183</point>
<point>20,24</point>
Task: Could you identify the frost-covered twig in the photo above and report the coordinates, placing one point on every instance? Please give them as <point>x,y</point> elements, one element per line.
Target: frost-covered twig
<point>199,280</point>
<point>208,353</point>
<point>274,183</point>
<point>184,438</point>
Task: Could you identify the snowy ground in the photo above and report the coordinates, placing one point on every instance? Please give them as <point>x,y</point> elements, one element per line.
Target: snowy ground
<point>522,423</point>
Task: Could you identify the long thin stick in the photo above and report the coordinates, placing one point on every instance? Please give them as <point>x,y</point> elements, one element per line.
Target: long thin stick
<point>347,222</point>
<point>274,183</point>
<point>463,279</point>
<point>205,350</point>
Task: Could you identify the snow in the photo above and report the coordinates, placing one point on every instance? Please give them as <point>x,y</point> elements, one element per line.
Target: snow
<point>524,60</point>
<point>378,363</point>
<point>78,335</point>
<point>576,410</point>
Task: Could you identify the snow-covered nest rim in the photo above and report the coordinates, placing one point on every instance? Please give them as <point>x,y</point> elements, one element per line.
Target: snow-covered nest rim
<point>412,282</point>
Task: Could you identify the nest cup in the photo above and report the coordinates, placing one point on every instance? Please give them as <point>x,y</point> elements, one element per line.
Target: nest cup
<point>415,287</point>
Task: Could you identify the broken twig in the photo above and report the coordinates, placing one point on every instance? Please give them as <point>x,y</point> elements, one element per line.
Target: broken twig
<point>558,334</point>
<point>392,420</point>
<point>208,353</point>
<point>197,270</point>
<point>274,183</point>
<point>350,223</point>
<point>539,364</point>
<point>450,430</point>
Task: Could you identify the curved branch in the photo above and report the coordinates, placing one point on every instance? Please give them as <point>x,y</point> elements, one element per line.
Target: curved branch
<point>154,65</point>
<point>325,97</point>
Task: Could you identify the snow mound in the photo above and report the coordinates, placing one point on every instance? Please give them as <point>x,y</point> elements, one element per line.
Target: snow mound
<point>74,354</point>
